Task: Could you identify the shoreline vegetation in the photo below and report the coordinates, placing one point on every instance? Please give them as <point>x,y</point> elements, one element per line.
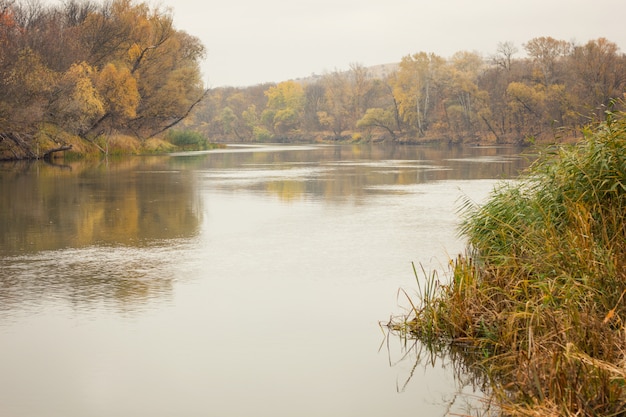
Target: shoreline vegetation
<point>48,146</point>
<point>535,309</point>
<point>93,78</point>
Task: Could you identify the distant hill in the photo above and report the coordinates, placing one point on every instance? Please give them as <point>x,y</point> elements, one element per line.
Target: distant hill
<point>381,71</point>
<point>374,72</point>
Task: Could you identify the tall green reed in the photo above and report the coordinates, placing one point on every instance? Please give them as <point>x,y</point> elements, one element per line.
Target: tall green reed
<point>539,296</point>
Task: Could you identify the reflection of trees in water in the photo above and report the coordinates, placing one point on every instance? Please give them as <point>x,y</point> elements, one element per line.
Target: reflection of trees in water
<point>50,217</point>
<point>408,355</point>
<point>98,233</point>
<point>130,203</point>
<point>351,171</point>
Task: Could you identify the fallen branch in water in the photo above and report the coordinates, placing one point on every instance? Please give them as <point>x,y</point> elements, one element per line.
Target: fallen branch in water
<point>48,154</point>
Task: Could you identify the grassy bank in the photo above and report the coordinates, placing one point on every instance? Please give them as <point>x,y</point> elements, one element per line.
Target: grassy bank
<point>14,146</point>
<point>539,300</point>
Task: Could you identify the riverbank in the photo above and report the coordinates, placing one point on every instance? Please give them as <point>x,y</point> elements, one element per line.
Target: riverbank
<point>538,301</point>
<point>50,143</point>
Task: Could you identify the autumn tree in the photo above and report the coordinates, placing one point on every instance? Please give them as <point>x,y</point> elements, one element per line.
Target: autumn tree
<point>314,98</point>
<point>229,122</point>
<point>494,80</point>
<point>94,69</point>
<point>107,36</point>
<point>382,112</point>
<point>9,30</point>
<point>162,60</point>
<point>598,74</point>
<point>546,52</point>
<point>334,113</point>
<point>359,85</point>
<point>76,103</point>
<point>380,119</point>
<point>526,106</point>
<point>9,77</point>
<point>118,91</point>
<point>285,103</point>
<point>242,119</point>
<point>464,99</point>
<point>417,89</point>
<point>27,85</point>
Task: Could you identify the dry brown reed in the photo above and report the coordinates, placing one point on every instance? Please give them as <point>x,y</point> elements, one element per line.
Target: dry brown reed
<point>538,299</point>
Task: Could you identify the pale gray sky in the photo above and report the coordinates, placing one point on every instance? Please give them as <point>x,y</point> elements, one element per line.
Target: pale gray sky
<point>254,41</point>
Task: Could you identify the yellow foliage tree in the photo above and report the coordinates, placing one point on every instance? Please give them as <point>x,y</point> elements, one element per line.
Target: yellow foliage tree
<point>24,91</point>
<point>464,97</point>
<point>150,76</point>
<point>415,88</point>
<point>77,103</point>
<point>285,103</point>
<point>118,89</point>
<point>527,108</point>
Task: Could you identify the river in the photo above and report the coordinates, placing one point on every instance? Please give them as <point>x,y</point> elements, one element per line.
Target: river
<point>246,281</point>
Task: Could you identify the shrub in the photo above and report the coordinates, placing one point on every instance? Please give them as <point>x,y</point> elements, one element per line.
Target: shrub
<point>187,139</point>
<point>261,134</point>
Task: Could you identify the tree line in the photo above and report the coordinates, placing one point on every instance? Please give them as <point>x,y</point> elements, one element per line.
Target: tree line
<point>91,70</point>
<point>550,93</point>
<point>94,70</point>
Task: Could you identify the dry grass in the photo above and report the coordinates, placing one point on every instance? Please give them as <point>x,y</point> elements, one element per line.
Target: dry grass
<point>539,297</point>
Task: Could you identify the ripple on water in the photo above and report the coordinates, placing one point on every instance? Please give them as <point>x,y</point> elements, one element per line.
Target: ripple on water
<point>114,277</point>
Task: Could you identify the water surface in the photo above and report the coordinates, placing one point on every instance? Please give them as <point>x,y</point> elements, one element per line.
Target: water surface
<point>248,281</point>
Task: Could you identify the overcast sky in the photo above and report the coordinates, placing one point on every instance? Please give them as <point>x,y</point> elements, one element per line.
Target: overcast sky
<point>254,41</point>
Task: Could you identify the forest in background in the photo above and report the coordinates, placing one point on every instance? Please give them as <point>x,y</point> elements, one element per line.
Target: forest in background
<point>548,95</point>
<point>110,75</point>
<point>93,71</point>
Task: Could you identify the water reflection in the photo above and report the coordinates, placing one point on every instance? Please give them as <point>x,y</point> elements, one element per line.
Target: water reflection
<point>412,357</point>
<point>131,203</point>
<point>349,171</point>
<point>155,276</point>
<point>93,233</point>
<point>98,232</point>
<point>120,278</point>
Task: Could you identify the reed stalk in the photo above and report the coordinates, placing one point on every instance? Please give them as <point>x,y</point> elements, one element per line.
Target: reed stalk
<point>538,298</point>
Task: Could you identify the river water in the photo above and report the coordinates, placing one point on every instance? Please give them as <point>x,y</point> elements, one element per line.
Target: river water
<point>247,281</point>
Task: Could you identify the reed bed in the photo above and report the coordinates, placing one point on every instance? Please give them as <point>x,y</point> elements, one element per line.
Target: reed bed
<point>539,298</point>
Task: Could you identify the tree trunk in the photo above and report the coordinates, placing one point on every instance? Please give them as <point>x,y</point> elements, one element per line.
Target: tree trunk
<point>23,150</point>
<point>48,154</point>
